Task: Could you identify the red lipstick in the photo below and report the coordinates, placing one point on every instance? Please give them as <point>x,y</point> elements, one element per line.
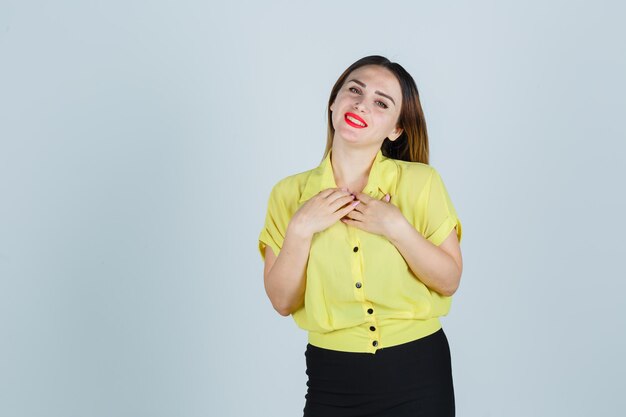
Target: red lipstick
<point>351,123</point>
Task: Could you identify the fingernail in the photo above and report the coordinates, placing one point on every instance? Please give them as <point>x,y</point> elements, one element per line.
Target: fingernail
<point>387,197</point>
<point>356,203</point>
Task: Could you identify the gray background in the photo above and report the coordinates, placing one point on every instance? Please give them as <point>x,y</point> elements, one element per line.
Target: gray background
<point>139,142</point>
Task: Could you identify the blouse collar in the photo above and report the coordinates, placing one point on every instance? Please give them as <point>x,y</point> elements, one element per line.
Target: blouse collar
<point>382,178</point>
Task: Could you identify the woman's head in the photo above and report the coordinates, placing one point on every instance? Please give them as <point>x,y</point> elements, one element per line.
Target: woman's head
<point>408,139</point>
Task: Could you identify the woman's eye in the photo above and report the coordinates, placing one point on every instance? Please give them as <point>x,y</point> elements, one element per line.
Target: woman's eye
<point>354,90</point>
<point>381,104</point>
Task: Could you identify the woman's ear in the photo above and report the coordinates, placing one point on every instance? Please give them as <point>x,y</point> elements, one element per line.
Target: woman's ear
<point>395,134</point>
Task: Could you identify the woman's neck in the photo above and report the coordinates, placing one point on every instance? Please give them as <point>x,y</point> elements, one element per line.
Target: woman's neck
<point>351,167</point>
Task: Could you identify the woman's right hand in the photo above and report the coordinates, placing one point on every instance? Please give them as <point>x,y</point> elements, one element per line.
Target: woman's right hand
<point>322,211</point>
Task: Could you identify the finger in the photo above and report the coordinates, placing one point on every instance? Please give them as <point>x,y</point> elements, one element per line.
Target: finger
<point>332,193</point>
<point>354,223</point>
<point>344,211</point>
<point>365,198</point>
<point>356,215</point>
<point>340,202</point>
<point>361,208</point>
<point>328,191</point>
<point>339,194</point>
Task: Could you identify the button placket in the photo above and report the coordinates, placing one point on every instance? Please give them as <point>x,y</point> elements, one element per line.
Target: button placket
<point>374,334</point>
<point>372,328</point>
<point>357,267</point>
<point>357,274</point>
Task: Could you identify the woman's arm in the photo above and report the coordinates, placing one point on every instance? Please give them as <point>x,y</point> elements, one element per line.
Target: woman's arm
<point>285,275</point>
<point>438,267</point>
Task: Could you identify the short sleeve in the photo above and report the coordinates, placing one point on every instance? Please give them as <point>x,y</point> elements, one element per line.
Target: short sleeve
<point>441,216</point>
<point>276,220</point>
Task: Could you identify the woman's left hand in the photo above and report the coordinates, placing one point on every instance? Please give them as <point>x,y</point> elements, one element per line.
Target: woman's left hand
<point>375,216</point>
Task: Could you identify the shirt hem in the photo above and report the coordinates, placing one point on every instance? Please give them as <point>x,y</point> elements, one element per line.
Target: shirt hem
<point>363,340</point>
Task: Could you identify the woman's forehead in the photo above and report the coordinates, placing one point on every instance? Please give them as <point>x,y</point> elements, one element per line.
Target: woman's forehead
<point>376,76</point>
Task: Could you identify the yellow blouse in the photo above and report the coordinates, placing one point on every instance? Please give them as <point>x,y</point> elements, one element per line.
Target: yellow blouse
<point>360,293</point>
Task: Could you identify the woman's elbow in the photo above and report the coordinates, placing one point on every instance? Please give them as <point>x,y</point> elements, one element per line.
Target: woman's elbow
<point>287,309</point>
<point>283,311</point>
<point>448,291</point>
<point>450,288</point>
<point>280,306</point>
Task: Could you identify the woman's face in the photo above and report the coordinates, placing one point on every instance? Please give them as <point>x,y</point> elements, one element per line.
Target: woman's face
<point>367,107</point>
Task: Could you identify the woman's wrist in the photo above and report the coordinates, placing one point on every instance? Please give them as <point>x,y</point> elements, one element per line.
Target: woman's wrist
<point>398,230</point>
<point>298,231</point>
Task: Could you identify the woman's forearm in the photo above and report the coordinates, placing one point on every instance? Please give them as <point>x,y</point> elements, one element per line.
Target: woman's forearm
<point>432,265</point>
<point>285,283</point>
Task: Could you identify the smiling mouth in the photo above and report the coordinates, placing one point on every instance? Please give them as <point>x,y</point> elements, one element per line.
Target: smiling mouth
<point>355,121</point>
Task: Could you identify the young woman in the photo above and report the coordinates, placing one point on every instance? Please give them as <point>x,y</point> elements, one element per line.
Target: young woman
<point>364,252</point>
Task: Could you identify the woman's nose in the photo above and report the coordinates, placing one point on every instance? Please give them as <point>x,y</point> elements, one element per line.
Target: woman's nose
<point>360,106</point>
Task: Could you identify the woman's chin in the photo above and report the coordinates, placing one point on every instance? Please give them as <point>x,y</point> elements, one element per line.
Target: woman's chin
<point>349,136</point>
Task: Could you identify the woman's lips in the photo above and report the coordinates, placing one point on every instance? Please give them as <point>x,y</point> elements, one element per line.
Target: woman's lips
<point>355,121</point>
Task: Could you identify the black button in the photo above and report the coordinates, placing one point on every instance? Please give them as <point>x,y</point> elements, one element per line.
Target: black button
<point>358,285</point>
<point>370,311</point>
<point>372,328</point>
<point>356,249</point>
<point>375,343</point>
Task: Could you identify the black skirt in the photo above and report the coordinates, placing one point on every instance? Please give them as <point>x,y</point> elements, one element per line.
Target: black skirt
<point>411,379</point>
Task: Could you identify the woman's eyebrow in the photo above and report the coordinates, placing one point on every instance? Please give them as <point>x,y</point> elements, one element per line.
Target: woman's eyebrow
<point>362,84</point>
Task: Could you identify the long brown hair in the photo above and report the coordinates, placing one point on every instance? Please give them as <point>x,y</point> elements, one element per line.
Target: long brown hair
<point>412,144</point>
